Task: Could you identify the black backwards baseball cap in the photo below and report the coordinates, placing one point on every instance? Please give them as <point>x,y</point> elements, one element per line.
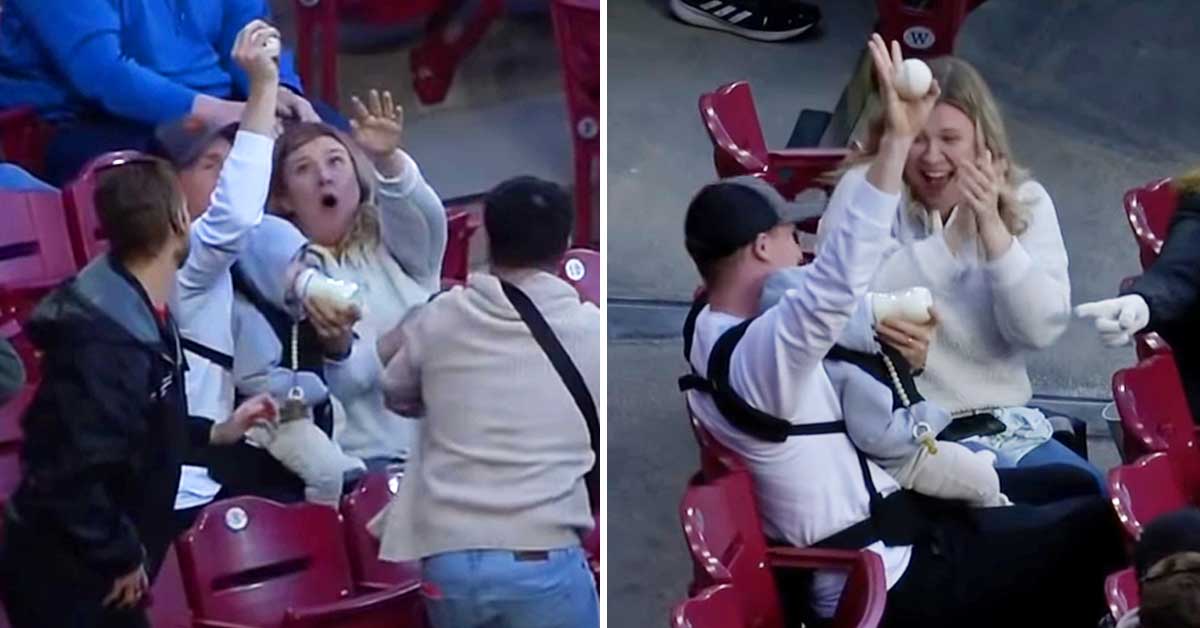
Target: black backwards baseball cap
<point>1172,533</point>
<point>727,215</point>
<point>182,141</point>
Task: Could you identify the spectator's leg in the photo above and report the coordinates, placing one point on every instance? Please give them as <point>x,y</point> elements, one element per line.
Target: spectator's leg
<point>1054,452</point>
<point>1017,566</point>
<point>74,145</point>
<point>1068,430</point>
<point>1047,483</point>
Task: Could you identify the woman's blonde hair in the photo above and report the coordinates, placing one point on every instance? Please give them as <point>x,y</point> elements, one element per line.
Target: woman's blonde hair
<point>364,231</point>
<point>1189,182</point>
<point>964,89</point>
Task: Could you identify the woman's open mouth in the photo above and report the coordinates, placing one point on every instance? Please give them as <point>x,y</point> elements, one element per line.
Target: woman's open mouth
<point>329,201</point>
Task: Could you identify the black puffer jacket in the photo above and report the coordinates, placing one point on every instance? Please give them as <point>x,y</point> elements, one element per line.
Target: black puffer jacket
<point>1171,287</point>
<point>106,433</point>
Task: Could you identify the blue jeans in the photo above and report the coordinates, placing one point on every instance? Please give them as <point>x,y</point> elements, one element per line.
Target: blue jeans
<point>1054,452</point>
<point>495,589</point>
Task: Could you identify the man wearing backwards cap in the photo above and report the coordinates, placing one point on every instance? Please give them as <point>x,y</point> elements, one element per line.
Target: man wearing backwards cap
<point>814,488</point>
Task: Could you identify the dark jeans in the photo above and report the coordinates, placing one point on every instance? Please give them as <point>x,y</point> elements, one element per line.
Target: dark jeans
<point>76,143</point>
<point>1041,562</point>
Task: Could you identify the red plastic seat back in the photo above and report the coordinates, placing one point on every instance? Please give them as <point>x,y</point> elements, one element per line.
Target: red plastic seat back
<point>1144,490</point>
<point>733,128</point>
<point>581,268</point>
<point>577,32</point>
<point>79,196</point>
<point>374,492</point>
<point>1155,415</point>
<point>1121,590</point>
<point>24,137</point>
<point>461,224</point>
<point>168,602</point>
<point>924,29</point>
<point>34,249</point>
<point>725,539</point>
<point>1149,210</point>
<point>714,607</point>
<point>248,560</point>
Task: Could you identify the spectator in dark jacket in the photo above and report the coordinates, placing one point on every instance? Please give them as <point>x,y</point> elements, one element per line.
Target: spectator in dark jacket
<point>12,374</point>
<point>90,523</point>
<point>108,72</point>
<point>1166,298</point>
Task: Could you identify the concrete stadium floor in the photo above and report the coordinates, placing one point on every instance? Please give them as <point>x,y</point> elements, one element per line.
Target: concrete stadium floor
<point>1097,99</point>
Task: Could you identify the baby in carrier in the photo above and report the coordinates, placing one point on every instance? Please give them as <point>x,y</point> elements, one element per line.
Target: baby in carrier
<point>886,418</point>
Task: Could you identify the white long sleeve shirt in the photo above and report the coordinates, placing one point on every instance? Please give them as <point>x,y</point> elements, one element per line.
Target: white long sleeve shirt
<point>203,298</point>
<point>992,313</point>
<point>808,487</point>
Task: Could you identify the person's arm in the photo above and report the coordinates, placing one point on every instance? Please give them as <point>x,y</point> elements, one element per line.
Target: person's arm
<point>82,39</point>
<point>402,379</point>
<point>236,14</point>
<point>1171,286</point>
<point>358,372</point>
<point>219,235</point>
<point>1031,290</point>
<point>413,217</point>
<point>12,372</point>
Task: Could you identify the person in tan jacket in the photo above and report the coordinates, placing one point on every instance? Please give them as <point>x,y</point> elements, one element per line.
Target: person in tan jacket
<point>495,502</point>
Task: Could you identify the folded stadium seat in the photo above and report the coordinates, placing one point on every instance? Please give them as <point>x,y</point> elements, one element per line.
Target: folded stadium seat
<point>1121,591</point>
<point>252,562</point>
<point>168,603</point>
<point>1149,209</point>
<point>924,29</point>
<point>581,268</point>
<point>462,221</point>
<point>1145,489</point>
<point>370,497</point>
<point>35,254</point>
<point>577,31</point>
<point>724,535</point>
<point>1155,415</point>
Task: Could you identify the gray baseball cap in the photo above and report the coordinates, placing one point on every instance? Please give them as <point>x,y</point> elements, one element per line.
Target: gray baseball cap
<point>182,141</point>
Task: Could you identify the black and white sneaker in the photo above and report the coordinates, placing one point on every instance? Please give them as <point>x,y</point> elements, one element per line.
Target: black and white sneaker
<point>764,20</point>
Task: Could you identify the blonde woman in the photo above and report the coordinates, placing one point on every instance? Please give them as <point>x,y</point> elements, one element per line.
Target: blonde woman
<point>975,229</point>
<point>372,220</point>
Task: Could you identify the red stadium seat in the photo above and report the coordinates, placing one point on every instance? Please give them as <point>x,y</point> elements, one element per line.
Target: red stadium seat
<point>168,603</point>
<point>1149,210</point>
<point>724,536</point>
<point>87,239</point>
<point>35,254</point>
<point>1155,415</point>
<point>714,607</point>
<point>924,29</point>
<point>577,30</point>
<point>462,221</point>
<point>373,493</point>
<point>739,148</point>
<point>24,137</point>
<point>715,459</point>
<point>1144,490</point>
<point>581,268</point>
<point>1121,590</point>
<point>253,562</point>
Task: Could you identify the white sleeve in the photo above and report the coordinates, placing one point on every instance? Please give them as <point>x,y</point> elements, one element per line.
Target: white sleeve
<point>413,224</point>
<point>1031,289</point>
<point>789,341</point>
<point>219,235</point>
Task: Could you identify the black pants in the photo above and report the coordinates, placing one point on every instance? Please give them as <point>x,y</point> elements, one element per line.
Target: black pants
<point>1041,562</point>
<point>44,585</point>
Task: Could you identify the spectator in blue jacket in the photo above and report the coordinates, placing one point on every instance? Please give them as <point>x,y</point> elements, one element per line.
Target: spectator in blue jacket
<point>108,71</point>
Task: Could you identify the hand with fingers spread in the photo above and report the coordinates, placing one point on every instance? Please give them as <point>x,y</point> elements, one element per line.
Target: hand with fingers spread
<point>911,339</point>
<point>128,589</point>
<point>1117,320</point>
<point>378,127</point>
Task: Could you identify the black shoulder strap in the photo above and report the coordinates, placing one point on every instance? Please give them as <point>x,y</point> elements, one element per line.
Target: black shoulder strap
<point>689,325</point>
<point>567,371</point>
<point>222,360</point>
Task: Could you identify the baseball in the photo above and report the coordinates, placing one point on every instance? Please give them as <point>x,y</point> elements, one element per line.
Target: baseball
<point>910,305</point>
<point>272,45</point>
<point>913,79</point>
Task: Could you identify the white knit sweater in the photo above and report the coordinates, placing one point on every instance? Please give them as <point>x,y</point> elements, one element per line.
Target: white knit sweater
<point>503,449</point>
<point>992,313</point>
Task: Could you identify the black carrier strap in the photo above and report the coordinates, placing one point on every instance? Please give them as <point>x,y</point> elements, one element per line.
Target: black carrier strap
<point>569,373</point>
<point>222,360</point>
<point>894,519</point>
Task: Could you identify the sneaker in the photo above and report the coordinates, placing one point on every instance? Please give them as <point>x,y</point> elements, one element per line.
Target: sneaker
<point>764,20</point>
